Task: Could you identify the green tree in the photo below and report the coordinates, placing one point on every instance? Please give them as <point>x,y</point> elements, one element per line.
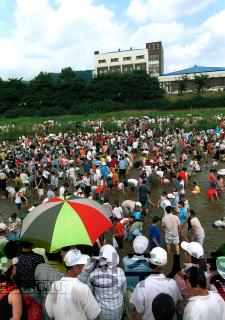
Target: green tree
<point>12,93</point>
<point>201,81</point>
<point>132,86</point>
<point>41,91</point>
<point>70,87</point>
<point>182,84</point>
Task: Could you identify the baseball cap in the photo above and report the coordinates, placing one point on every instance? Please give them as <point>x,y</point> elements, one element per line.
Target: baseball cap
<point>138,204</point>
<point>220,264</point>
<point>74,257</point>
<point>193,248</point>
<point>6,263</point>
<point>109,253</point>
<point>158,256</point>
<point>170,196</point>
<point>140,244</point>
<point>3,226</point>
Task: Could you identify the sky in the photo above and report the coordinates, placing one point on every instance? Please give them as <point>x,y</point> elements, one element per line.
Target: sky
<point>48,35</point>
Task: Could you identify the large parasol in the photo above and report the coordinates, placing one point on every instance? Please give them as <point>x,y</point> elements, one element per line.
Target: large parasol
<point>64,222</point>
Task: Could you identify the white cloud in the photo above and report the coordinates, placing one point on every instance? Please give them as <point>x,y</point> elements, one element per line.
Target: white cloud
<point>49,38</point>
<point>166,32</point>
<point>164,10</point>
<point>207,47</point>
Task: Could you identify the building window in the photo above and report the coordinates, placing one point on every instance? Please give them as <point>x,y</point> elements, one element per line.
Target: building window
<point>114,60</point>
<point>101,61</point>
<point>102,70</point>
<point>140,57</point>
<point>141,66</point>
<point>126,58</point>
<point>127,68</point>
<point>115,69</point>
<point>154,59</point>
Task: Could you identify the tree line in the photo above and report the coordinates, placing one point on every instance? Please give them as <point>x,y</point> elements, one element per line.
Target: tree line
<point>68,93</point>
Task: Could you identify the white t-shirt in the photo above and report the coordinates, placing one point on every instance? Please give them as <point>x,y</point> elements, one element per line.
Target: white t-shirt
<point>207,307</point>
<point>196,225</point>
<point>171,223</point>
<point>165,203</point>
<point>219,224</point>
<point>148,289</point>
<point>118,212</point>
<point>61,191</point>
<point>133,182</point>
<point>24,178</point>
<point>69,299</point>
<point>129,204</point>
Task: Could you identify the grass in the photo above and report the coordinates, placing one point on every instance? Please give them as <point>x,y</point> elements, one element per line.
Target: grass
<point>30,121</point>
<point>29,126</point>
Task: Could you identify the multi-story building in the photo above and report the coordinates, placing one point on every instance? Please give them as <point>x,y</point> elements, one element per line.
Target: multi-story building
<point>150,59</point>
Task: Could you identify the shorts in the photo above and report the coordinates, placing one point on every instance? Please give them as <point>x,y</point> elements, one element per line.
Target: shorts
<point>169,239</point>
<point>18,205</point>
<point>200,237</point>
<point>144,204</point>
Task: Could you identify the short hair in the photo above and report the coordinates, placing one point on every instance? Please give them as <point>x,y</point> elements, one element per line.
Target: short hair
<point>192,212</point>
<point>168,209</point>
<point>181,203</point>
<point>163,307</point>
<point>196,277</point>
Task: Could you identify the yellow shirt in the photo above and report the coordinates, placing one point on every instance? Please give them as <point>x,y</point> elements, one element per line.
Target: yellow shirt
<point>197,189</point>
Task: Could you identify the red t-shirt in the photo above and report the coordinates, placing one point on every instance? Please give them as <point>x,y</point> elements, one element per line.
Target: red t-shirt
<point>183,175</point>
<point>113,163</point>
<point>119,230</point>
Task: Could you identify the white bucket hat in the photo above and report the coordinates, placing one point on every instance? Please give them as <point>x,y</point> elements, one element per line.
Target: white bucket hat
<point>109,253</point>
<point>140,244</point>
<point>193,248</point>
<point>158,256</point>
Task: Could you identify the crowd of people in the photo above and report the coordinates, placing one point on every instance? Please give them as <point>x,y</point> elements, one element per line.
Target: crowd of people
<point>76,283</point>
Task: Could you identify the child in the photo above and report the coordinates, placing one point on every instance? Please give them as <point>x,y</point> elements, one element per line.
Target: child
<point>196,188</point>
<point>117,211</point>
<point>115,179</point>
<point>212,194</point>
<point>154,233</point>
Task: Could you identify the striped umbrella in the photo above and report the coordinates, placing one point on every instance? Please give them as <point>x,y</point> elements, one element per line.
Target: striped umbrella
<point>64,222</point>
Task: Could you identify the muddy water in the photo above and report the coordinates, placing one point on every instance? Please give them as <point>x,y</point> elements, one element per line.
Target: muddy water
<point>206,211</point>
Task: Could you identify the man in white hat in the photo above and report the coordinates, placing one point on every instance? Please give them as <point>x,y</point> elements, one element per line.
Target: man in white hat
<point>70,299</point>
<point>156,283</point>
<point>136,267</point>
<point>194,255</point>
<point>136,263</point>
<point>108,282</point>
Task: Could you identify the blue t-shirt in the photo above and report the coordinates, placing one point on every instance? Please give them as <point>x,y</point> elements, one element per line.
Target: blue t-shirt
<point>183,215</point>
<point>154,233</point>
